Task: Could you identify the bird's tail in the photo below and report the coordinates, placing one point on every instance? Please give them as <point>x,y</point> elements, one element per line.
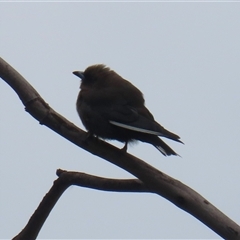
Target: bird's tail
<point>160,145</point>
<point>170,135</point>
<point>165,149</point>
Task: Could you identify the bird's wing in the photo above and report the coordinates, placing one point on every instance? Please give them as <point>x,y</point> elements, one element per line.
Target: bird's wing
<point>135,119</point>
<point>139,120</point>
<point>137,129</point>
<point>121,113</point>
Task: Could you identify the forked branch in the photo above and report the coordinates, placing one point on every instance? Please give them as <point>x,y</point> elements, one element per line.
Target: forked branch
<point>150,178</point>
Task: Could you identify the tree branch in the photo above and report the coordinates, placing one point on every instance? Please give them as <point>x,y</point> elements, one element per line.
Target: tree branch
<point>65,180</point>
<point>100,183</point>
<point>156,181</point>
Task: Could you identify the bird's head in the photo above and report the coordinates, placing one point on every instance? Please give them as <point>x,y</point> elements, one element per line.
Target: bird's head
<point>94,74</point>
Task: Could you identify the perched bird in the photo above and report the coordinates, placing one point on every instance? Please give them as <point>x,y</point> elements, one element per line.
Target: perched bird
<point>110,107</point>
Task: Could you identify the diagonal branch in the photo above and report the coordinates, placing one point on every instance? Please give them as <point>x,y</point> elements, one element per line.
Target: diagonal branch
<point>65,180</point>
<point>156,181</point>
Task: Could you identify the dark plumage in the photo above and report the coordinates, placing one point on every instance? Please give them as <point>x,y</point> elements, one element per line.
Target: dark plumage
<point>110,107</point>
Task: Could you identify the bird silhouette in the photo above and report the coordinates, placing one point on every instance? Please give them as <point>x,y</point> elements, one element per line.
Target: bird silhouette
<point>110,107</point>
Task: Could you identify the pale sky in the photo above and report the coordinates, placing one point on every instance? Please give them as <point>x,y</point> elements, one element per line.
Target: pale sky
<point>185,59</point>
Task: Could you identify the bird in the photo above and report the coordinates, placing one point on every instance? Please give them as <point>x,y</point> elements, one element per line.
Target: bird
<point>112,108</point>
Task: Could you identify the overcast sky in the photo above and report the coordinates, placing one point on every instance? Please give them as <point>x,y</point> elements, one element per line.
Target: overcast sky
<point>185,59</point>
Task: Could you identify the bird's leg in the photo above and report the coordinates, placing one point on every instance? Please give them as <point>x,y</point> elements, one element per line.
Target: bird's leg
<point>124,149</point>
<point>89,135</point>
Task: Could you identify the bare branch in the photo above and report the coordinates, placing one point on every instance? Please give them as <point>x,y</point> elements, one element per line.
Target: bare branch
<point>156,181</point>
<point>65,180</point>
<point>100,183</point>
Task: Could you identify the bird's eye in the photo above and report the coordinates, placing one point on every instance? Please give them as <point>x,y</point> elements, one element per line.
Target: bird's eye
<point>89,79</point>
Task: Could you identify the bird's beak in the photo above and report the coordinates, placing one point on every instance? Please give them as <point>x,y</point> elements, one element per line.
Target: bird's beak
<point>79,74</point>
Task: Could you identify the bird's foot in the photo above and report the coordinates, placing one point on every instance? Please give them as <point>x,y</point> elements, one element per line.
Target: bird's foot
<point>89,136</point>
<point>124,149</point>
